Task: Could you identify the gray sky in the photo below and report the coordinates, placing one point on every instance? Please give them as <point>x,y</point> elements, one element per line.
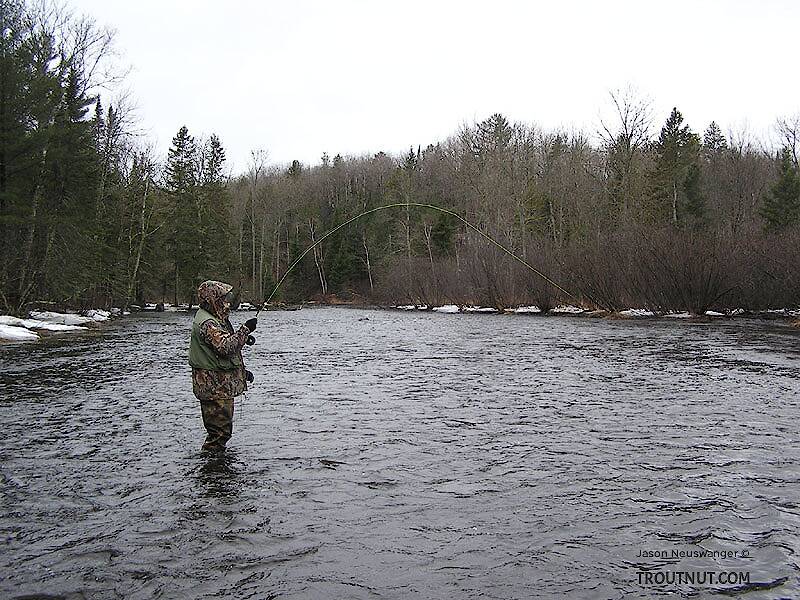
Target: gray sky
<point>299,78</point>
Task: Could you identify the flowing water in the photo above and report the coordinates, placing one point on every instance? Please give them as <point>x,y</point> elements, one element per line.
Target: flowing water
<point>386,454</point>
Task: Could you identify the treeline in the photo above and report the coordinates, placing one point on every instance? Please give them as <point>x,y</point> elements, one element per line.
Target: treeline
<point>648,216</point>
<point>89,216</point>
<point>676,221</point>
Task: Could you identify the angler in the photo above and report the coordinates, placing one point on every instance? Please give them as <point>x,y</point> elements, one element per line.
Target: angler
<point>215,354</point>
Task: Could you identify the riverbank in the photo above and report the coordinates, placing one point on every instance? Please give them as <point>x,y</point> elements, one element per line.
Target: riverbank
<point>783,314</point>
<point>786,314</point>
<point>47,323</point>
<point>43,323</point>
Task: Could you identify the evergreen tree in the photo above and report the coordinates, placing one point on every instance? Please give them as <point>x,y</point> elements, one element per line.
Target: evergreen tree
<point>186,237</point>
<point>695,206</point>
<point>713,139</point>
<point>295,170</point>
<point>72,174</point>
<point>410,162</point>
<point>443,233</point>
<point>494,134</point>
<point>214,160</point>
<point>215,214</point>
<point>781,207</point>
<point>181,171</point>
<point>676,170</point>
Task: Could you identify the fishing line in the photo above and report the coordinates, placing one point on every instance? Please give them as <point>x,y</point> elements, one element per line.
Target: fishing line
<point>418,205</point>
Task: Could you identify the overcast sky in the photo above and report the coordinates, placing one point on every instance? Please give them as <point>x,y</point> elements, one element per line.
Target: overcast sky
<point>299,78</point>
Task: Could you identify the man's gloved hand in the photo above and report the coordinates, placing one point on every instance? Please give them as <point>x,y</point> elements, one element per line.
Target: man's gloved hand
<point>251,324</point>
<point>248,375</point>
<point>250,340</point>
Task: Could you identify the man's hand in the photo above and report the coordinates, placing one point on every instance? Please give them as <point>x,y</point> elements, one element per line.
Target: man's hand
<point>250,340</point>
<point>251,324</point>
<point>248,375</point>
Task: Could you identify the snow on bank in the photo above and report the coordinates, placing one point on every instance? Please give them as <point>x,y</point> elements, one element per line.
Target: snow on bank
<point>567,309</point>
<point>10,333</point>
<point>637,313</point>
<point>526,309</point>
<point>37,324</point>
<point>788,312</point>
<point>447,308</point>
<point>15,330</point>
<point>176,308</point>
<point>91,316</point>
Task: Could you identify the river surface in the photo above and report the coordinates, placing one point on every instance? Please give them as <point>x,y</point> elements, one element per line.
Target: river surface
<point>387,454</point>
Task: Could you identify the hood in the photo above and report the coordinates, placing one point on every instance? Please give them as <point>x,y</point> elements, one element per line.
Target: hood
<point>211,297</point>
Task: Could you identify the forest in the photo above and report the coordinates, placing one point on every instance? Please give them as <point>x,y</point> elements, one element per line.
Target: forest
<point>642,212</point>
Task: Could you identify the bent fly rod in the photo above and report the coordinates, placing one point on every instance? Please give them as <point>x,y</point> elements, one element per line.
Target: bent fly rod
<point>417,205</point>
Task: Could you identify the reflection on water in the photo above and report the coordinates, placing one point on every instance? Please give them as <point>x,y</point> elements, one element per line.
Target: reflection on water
<point>218,474</point>
<point>397,455</point>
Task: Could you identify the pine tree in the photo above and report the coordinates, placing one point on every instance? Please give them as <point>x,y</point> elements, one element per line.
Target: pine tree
<point>443,233</point>
<point>214,160</point>
<point>181,172</point>
<point>98,125</point>
<point>781,207</point>
<point>494,134</point>
<point>410,162</point>
<point>295,170</point>
<point>713,139</point>
<point>215,215</point>
<point>72,179</point>
<point>677,157</point>
<point>695,206</point>
<point>186,237</point>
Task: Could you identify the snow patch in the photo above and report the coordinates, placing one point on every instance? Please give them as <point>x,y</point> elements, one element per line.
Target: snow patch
<point>20,329</point>
<point>98,315</point>
<point>790,312</point>
<point>178,308</point>
<point>447,308</point>
<point>61,318</point>
<point>483,309</point>
<point>34,324</point>
<point>567,309</point>
<point>680,315</point>
<point>713,313</point>
<point>527,309</point>
<point>17,334</point>
<point>637,312</point>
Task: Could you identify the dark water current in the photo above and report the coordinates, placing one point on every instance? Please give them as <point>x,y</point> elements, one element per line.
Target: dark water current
<point>405,455</point>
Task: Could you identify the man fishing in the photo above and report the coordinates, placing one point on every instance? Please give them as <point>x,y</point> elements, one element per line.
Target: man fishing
<point>215,354</point>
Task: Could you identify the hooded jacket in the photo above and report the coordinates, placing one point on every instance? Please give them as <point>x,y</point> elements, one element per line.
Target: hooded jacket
<point>215,349</point>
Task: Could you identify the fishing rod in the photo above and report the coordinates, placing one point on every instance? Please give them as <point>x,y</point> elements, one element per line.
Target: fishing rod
<point>418,205</point>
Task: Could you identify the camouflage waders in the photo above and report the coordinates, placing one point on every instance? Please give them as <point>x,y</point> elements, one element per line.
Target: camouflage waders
<point>218,420</point>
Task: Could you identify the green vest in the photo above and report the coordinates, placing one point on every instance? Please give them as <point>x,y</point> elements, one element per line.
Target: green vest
<point>201,355</point>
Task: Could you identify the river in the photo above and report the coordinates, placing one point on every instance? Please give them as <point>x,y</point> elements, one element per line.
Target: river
<point>388,454</point>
